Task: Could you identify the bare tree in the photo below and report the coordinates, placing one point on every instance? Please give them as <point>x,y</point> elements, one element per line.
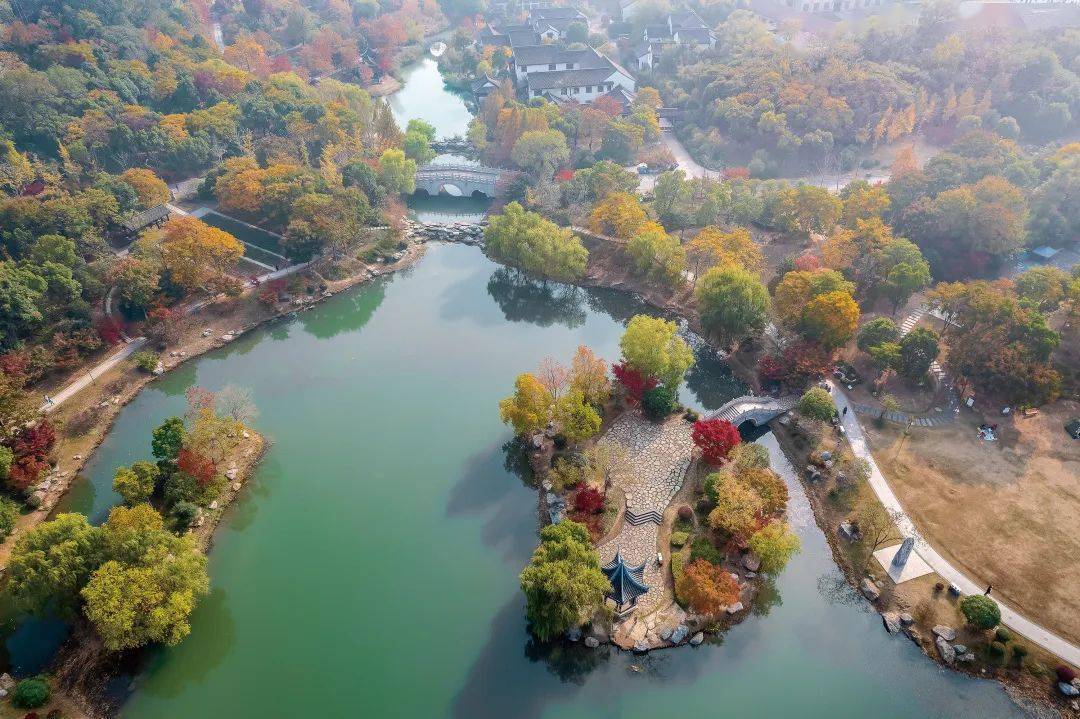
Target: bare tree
<point>553,375</point>
<point>877,526</point>
<point>236,402</point>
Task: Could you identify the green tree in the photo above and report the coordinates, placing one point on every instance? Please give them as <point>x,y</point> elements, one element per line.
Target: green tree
<point>526,240</point>
<point>904,269</point>
<point>52,562</point>
<point>168,439</point>
<point>137,483</point>
<point>563,584</point>
<point>132,605</point>
<point>980,611</point>
<point>9,515</point>
<point>877,331</point>
<point>653,347</point>
<point>656,254</point>
<point>775,544</point>
<point>578,419</point>
<point>816,403</point>
<point>32,693</point>
<point>659,402</point>
<point>1044,286</point>
<point>540,152</point>
<point>918,349</point>
<point>529,408</point>
<point>807,209</point>
<point>6,458</point>
<point>417,143</point>
<point>732,302</point>
<point>397,173</point>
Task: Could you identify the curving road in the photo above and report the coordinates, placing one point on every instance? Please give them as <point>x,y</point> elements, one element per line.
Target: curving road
<point>1034,632</point>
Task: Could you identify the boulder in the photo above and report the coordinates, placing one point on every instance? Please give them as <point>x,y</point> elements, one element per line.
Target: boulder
<point>906,619</point>
<point>697,639</point>
<point>735,608</point>
<point>1068,689</point>
<point>592,642</point>
<point>641,647</point>
<point>752,562</point>
<point>891,620</point>
<point>966,658</point>
<point>869,590</point>
<point>960,648</point>
<point>679,634</point>
<point>847,531</point>
<point>948,654</point>
<point>946,633</point>
<point>574,634</point>
<point>7,682</point>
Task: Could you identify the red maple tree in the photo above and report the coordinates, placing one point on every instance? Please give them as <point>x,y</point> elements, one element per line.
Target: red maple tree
<point>589,500</point>
<point>635,383</point>
<point>201,468</point>
<point>715,438</point>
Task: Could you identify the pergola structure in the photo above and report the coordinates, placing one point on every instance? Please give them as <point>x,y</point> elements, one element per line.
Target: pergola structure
<point>627,583</point>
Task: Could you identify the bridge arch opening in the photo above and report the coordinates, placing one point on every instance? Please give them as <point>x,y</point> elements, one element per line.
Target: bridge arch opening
<point>421,192</point>
<point>479,195</point>
<point>451,189</point>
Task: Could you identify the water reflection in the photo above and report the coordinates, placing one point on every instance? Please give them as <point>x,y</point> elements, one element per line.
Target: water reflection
<point>346,315</point>
<point>523,299</point>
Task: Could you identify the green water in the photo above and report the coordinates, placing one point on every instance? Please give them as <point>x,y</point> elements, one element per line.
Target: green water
<point>424,96</point>
<point>370,567</point>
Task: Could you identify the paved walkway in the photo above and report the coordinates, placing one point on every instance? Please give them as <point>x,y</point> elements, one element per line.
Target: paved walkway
<point>92,374</point>
<point>650,473</point>
<point>1035,633</point>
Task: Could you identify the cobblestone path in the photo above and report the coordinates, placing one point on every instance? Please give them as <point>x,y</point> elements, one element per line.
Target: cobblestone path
<point>651,472</point>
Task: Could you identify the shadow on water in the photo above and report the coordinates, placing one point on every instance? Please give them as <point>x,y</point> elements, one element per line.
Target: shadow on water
<point>349,313</point>
<point>711,380</point>
<point>523,299</point>
<point>218,627</point>
<point>485,488</point>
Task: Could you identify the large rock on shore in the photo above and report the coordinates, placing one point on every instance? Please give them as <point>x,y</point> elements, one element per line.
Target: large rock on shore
<point>945,632</point>
<point>948,654</point>
<point>869,590</point>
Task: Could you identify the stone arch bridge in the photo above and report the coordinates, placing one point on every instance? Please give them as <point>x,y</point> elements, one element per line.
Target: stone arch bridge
<point>756,410</point>
<point>468,180</point>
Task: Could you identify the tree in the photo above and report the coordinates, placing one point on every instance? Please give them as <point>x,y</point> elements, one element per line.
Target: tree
<point>137,483</point>
<point>417,143</point>
<point>831,318</point>
<point>540,152</point>
<point>707,588</point>
<point>197,255</point>
<point>768,485</point>
<point>732,303</point>
<point>737,506</point>
<point>918,349</point>
<point>16,409</point>
<point>877,331</point>
<point>659,402</point>
<point>749,455</point>
<point>168,439</point>
<point>397,173</point>
<point>656,254</point>
<point>618,214</point>
<point>774,544</point>
<point>716,438</point>
<point>588,375</point>
<point>528,410</point>
<point>807,209</point>
<point>652,347</point>
<point>52,562</point>
<point>578,419</point>
<point>712,246</point>
<point>136,281</point>
<point>131,605</point>
<point>32,693</point>
<point>236,403</point>
<point>905,271</point>
<point>980,611</point>
<point>150,189</point>
<point>862,201</point>
<point>1044,286</point>
<point>525,239</point>
<point>563,583</point>
<point>797,288</point>
<point>816,404</point>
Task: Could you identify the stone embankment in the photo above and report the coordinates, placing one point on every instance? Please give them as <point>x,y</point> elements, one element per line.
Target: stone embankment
<point>468,233</point>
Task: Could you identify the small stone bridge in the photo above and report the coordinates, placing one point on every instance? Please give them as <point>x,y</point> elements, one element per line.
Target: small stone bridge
<point>467,180</point>
<point>756,410</point>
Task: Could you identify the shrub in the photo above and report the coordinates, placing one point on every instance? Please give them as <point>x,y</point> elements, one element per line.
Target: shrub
<point>1019,651</point>
<point>691,415</point>
<point>31,693</point>
<point>686,513</point>
<point>146,361</point>
<point>702,548</point>
<point>997,651</point>
<point>658,403</point>
<point>817,404</point>
<point>183,514</point>
<point>1065,673</point>
<point>678,563</point>
<point>981,611</point>
<point>1003,635</point>
<point>588,500</point>
<point>9,514</point>
<point>678,539</point>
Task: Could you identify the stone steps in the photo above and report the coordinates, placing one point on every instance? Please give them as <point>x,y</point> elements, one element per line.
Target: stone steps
<point>636,520</point>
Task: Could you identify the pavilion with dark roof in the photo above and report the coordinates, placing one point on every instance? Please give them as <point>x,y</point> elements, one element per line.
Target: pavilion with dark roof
<point>627,583</point>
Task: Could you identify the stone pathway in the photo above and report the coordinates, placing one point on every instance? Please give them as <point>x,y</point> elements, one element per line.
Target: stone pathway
<point>650,473</point>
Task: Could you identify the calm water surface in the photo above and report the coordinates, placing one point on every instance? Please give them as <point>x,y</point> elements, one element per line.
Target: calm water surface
<point>371,566</point>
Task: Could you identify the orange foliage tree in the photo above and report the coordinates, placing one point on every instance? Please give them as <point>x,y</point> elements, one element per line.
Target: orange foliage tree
<point>196,254</point>
<point>707,588</point>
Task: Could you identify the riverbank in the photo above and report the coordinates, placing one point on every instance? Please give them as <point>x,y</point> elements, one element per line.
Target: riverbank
<point>924,610</point>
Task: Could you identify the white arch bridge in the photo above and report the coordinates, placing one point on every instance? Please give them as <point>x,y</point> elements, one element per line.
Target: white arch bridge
<point>756,410</point>
<point>462,179</point>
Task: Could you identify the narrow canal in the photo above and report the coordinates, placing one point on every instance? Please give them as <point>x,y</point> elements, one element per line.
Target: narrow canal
<point>370,568</point>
